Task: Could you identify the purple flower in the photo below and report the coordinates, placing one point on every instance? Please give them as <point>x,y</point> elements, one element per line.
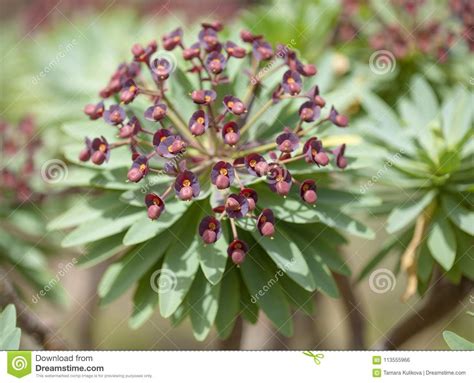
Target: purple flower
<point>156,112</point>
<point>237,251</point>
<point>161,68</point>
<point>186,185</point>
<point>309,111</point>
<point>114,115</point>
<point>314,152</point>
<point>256,164</point>
<point>198,123</point>
<point>313,95</point>
<point>86,153</point>
<point>142,54</point>
<point>287,142</point>
<point>234,50</point>
<point>171,146</point>
<point>100,150</point>
<point>249,37</point>
<point>94,111</point>
<point>160,136</point>
<point>279,179</point>
<point>215,62</point>
<point>292,82</point>
<point>208,39</point>
<point>222,175</point>
<point>139,169</point>
<point>131,128</point>
<point>192,52</point>
<point>155,206</point>
<point>230,133</point>
<point>234,105</point>
<point>128,92</point>
<point>262,50</point>
<point>308,191</point>
<point>236,206</point>
<point>338,119</point>
<point>266,223</point>
<point>251,196</point>
<point>173,39</point>
<point>341,161</point>
<point>204,97</point>
<point>210,229</point>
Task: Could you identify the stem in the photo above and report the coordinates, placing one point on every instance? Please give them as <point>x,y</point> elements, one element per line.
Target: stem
<point>256,116</point>
<point>292,159</point>
<point>234,228</point>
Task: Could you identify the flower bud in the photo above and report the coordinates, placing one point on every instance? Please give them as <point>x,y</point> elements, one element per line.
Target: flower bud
<point>98,157</point>
<point>154,212</point>
<point>186,193</point>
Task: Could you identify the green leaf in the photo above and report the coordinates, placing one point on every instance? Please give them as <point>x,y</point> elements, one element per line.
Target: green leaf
<point>299,298</point>
<point>180,264</point>
<point>144,228</point>
<point>425,264</point>
<point>111,222</point>
<point>456,342</point>
<point>213,259</point>
<point>442,242</point>
<point>287,256</point>
<point>457,116</point>
<point>408,212</point>
<point>229,303</point>
<point>203,299</point>
<point>9,334</point>
<point>102,250</point>
<point>249,309</point>
<point>459,215</point>
<point>145,300</point>
<point>120,276</point>
<point>265,289</point>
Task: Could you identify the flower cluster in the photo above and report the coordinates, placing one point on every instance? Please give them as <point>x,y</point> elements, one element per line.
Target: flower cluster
<point>19,144</point>
<point>212,140</point>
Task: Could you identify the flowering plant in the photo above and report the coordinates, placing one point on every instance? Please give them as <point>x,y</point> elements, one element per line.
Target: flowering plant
<point>211,133</point>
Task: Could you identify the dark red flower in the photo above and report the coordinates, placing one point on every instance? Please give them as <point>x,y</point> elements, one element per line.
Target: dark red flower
<point>204,97</point>
<point>313,95</point>
<point>186,185</point>
<point>155,205</point>
<point>171,146</point>
<point>156,112</point>
<point>236,206</point>
<point>192,52</point>
<point>131,128</point>
<point>160,136</point>
<point>287,142</point>
<point>86,153</point>
<point>248,36</point>
<point>161,68</point>
<point>216,25</point>
<point>234,105</point>
<point>222,175</point>
<point>142,54</point>
<point>314,152</point>
<point>215,62</point>
<point>210,229</point>
<point>341,161</point>
<point>309,111</point>
<point>262,50</point>
<point>209,40</point>
<point>234,50</point>
<point>128,92</point>
<point>114,115</point>
<point>256,164</point>
<point>279,179</point>
<point>230,133</point>
<point>266,223</point>
<point>173,39</point>
<point>338,119</point>
<point>198,123</point>
<point>251,196</point>
<point>94,111</point>
<point>139,169</point>
<point>100,150</point>
<point>237,251</point>
<point>292,82</point>
<point>308,191</point>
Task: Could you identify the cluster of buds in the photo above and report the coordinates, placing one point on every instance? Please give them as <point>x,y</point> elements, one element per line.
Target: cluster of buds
<point>212,140</point>
<point>19,144</point>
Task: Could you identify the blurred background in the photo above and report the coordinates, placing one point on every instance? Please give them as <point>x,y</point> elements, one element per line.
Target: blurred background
<point>57,54</point>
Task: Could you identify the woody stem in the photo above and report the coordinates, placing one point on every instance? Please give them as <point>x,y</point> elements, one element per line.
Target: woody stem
<point>234,228</point>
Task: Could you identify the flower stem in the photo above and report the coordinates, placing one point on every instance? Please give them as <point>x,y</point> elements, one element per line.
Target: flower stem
<point>234,228</point>
<point>256,116</point>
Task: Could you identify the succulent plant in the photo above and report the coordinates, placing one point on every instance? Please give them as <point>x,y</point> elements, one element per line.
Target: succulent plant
<point>209,166</point>
<point>423,170</point>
